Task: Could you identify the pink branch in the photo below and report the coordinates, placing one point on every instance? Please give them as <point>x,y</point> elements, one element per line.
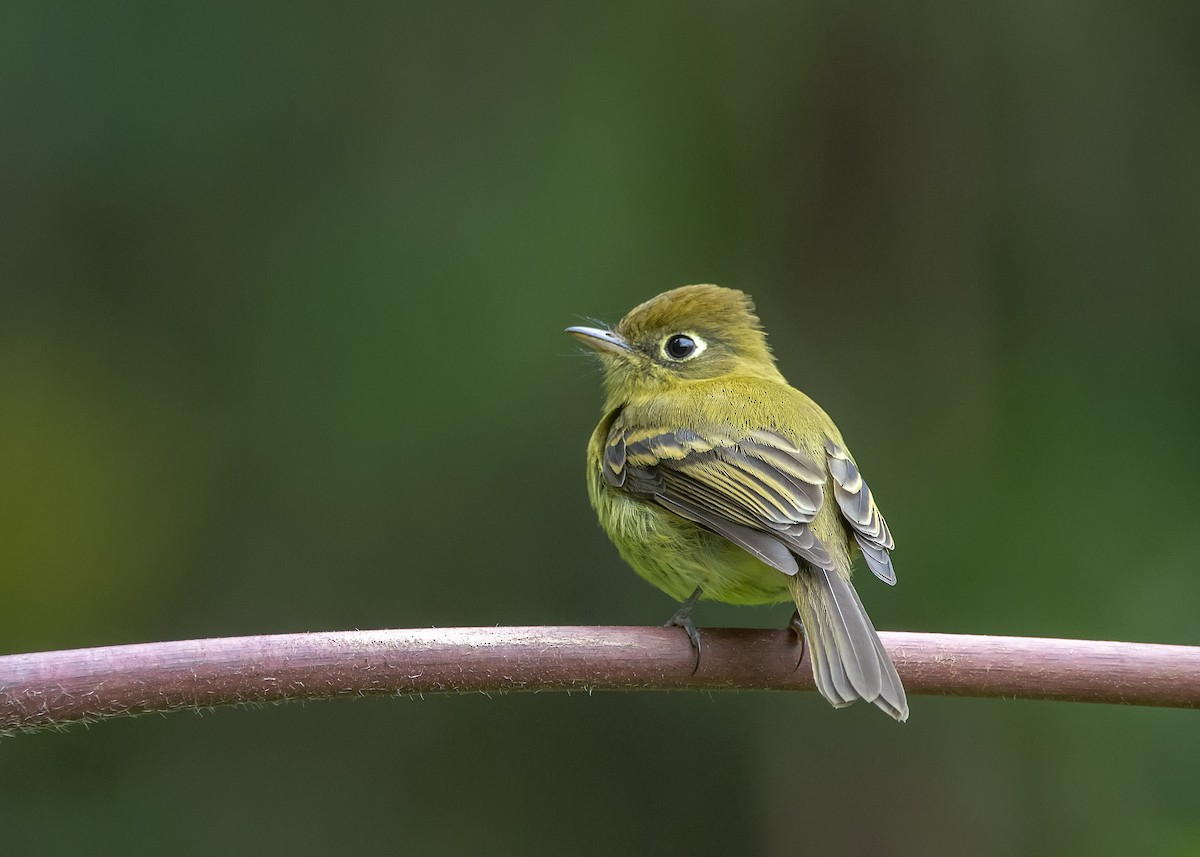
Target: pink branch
<point>53,689</point>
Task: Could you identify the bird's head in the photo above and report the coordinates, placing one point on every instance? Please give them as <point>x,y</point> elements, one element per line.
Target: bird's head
<point>687,334</point>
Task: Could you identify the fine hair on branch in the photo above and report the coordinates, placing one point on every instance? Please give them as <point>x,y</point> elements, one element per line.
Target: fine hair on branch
<point>55,689</point>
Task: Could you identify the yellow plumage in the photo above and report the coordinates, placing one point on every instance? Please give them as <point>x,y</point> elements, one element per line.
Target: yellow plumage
<point>716,479</point>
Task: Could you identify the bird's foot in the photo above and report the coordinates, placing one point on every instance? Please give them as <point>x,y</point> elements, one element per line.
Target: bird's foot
<point>796,625</point>
<point>683,619</point>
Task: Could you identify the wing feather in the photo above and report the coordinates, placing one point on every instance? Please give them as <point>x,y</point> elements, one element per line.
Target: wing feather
<point>759,491</point>
<point>860,512</point>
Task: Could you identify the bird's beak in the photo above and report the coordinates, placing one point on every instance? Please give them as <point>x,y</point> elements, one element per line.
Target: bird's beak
<point>601,340</point>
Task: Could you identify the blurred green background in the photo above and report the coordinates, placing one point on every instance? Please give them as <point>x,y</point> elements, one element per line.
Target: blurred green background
<point>281,299</point>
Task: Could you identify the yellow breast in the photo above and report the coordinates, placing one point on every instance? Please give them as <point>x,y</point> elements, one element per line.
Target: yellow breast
<point>677,555</point>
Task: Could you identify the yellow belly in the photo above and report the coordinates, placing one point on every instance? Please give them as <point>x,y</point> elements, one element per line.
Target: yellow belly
<point>677,555</point>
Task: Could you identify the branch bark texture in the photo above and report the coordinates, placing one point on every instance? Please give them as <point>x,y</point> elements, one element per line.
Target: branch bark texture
<point>55,689</point>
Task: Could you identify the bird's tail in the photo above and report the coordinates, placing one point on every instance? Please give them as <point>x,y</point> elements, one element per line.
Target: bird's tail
<point>849,662</point>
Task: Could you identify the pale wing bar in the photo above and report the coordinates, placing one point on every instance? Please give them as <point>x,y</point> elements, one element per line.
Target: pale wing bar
<point>760,491</point>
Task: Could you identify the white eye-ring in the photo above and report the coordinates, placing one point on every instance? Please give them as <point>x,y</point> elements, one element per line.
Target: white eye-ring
<point>683,346</point>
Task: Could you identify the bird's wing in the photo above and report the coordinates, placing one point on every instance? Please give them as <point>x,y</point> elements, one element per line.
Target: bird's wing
<point>759,490</point>
<point>860,512</point>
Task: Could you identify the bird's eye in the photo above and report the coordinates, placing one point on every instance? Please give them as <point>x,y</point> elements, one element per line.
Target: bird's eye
<point>681,346</point>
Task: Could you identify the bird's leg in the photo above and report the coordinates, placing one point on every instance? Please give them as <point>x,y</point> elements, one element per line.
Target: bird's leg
<point>683,619</point>
<point>796,625</point>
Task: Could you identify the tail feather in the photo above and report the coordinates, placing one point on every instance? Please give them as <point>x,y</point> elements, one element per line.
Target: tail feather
<point>854,638</point>
<point>849,661</point>
<point>829,672</point>
<point>891,695</point>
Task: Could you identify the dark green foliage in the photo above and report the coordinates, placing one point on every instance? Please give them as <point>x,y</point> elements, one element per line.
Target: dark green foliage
<point>282,289</point>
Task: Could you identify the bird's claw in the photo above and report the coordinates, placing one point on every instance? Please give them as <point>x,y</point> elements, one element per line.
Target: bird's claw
<point>796,625</point>
<point>683,619</point>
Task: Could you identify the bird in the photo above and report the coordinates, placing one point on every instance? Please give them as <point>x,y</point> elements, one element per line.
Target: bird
<point>716,479</point>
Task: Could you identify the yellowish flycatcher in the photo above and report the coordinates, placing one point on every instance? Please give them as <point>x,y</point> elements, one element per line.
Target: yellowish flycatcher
<point>716,479</point>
